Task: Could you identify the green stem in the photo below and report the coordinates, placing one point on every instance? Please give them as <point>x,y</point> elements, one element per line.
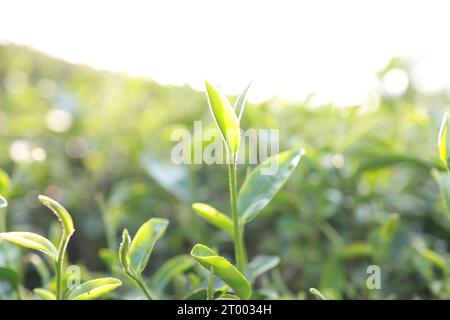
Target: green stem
<point>59,265</point>
<point>3,220</point>
<point>141,284</point>
<point>238,230</point>
<point>210,291</point>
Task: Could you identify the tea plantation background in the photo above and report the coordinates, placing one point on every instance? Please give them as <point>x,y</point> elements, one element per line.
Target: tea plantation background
<point>100,143</point>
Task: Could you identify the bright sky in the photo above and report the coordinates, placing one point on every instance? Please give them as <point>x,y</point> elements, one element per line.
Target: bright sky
<point>287,48</point>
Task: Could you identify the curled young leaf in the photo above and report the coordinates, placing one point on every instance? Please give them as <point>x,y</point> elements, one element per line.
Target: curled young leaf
<point>124,250</point>
<point>94,288</point>
<point>316,293</point>
<point>223,269</point>
<point>143,242</point>
<point>258,189</point>
<point>442,140</point>
<point>31,241</point>
<point>45,294</point>
<point>61,213</point>
<point>214,217</point>
<point>225,118</point>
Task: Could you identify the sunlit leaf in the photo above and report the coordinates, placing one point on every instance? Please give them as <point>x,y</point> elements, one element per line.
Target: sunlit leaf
<point>225,118</point>
<point>61,213</point>
<point>199,294</point>
<point>377,162</point>
<point>45,294</point>
<point>168,270</point>
<point>258,189</point>
<point>31,241</point>
<point>357,250</point>
<point>223,269</point>
<point>442,140</point>
<point>143,242</point>
<point>214,217</point>
<point>5,184</point>
<point>228,296</point>
<point>94,288</point>
<point>443,181</point>
<point>434,258</point>
<point>317,294</point>
<point>239,105</point>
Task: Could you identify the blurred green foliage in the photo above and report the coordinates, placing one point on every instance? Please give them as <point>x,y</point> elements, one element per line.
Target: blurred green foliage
<point>100,143</point>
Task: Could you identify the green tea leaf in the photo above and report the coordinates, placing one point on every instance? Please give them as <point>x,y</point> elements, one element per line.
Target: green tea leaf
<point>45,294</point>
<point>94,288</point>
<point>317,294</point>
<point>442,140</point>
<point>7,274</point>
<point>443,181</point>
<point>228,296</point>
<point>199,294</point>
<point>214,217</point>
<point>3,202</point>
<point>260,265</point>
<point>31,241</point>
<point>61,213</point>
<point>168,270</point>
<point>357,250</point>
<point>124,250</point>
<point>434,258</point>
<point>239,105</point>
<point>142,245</point>
<point>258,189</point>
<point>225,118</point>
<point>223,269</point>
<point>5,184</point>
<point>386,235</point>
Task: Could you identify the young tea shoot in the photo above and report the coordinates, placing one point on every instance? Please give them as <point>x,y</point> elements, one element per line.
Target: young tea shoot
<point>88,290</point>
<point>254,195</point>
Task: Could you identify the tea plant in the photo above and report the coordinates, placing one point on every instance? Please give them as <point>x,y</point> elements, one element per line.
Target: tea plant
<point>254,195</point>
<point>88,290</point>
<point>135,253</point>
<point>443,181</point>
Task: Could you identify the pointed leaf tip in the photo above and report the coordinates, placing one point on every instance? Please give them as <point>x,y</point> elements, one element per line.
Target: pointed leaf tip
<point>442,140</point>
<point>143,242</point>
<point>223,269</point>
<point>60,212</point>
<point>225,118</point>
